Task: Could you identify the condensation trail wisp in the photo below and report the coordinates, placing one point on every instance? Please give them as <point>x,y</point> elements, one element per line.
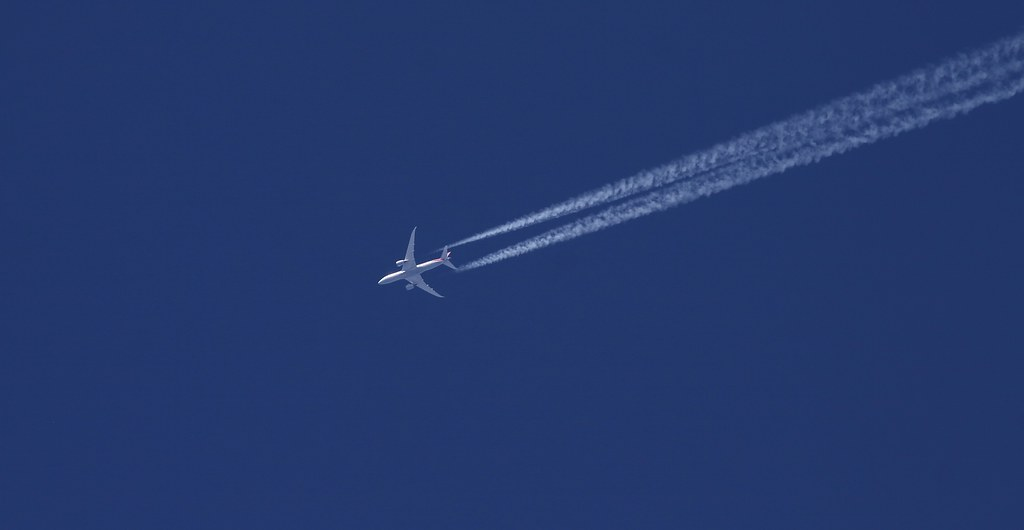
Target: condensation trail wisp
<point>951,88</point>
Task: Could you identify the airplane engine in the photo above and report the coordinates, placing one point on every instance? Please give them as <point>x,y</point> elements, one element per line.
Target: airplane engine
<point>409,287</point>
<point>400,262</point>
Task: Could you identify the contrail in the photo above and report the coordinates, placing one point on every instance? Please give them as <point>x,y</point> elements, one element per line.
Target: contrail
<point>852,116</point>
<point>942,92</point>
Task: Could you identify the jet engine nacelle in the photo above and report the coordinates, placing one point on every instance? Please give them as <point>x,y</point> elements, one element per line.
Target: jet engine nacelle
<point>400,262</point>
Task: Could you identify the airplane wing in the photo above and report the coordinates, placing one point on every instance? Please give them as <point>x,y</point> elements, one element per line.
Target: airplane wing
<point>410,260</point>
<point>418,282</point>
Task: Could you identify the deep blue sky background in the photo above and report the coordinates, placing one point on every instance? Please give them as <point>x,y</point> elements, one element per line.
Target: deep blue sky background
<point>197,199</point>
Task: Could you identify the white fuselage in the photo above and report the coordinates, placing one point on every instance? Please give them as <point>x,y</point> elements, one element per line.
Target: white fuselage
<point>413,272</point>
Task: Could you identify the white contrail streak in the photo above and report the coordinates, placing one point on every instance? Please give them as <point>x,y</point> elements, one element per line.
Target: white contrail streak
<point>852,116</point>
<point>948,90</point>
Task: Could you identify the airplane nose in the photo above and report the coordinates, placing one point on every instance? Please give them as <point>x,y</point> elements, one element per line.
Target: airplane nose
<point>381,281</point>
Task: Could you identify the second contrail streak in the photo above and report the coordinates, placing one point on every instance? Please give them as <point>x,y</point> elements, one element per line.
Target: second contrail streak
<point>954,87</point>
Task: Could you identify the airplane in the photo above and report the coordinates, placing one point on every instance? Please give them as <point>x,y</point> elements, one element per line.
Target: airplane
<point>413,273</point>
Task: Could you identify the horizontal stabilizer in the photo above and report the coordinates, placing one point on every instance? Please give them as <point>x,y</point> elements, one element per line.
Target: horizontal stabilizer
<point>446,258</point>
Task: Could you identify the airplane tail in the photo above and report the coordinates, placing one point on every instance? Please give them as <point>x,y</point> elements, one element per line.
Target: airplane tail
<point>446,258</point>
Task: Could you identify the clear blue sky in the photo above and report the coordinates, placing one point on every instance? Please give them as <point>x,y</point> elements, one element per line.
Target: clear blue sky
<point>197,199</point>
